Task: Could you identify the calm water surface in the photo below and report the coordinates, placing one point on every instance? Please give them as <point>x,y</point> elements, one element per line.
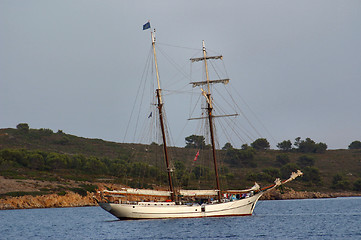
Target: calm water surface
<point>338,218</point>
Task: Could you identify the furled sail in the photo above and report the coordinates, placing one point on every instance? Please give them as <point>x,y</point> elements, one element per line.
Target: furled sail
<point>208,57</point>
<point>224,81</point>
<point>255,188</point>
<point>133,191</point>
<point>196,193</point>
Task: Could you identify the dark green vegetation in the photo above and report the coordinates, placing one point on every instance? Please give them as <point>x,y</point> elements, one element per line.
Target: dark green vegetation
<point>42,154</point>
<point>355,145</point>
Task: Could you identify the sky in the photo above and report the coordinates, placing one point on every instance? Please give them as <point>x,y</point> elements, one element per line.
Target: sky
<point>76,65</point>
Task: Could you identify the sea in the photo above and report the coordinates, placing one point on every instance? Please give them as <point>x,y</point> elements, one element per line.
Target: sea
<point>336,218</point>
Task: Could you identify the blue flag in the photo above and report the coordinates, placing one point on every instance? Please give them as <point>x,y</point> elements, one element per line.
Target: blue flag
<point>146,26</point>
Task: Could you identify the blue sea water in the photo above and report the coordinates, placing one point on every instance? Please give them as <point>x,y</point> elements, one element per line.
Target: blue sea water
<point>338,218</point>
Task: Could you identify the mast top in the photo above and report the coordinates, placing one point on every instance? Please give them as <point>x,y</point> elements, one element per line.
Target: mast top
<point>152,33</point>
<point>153,36</point>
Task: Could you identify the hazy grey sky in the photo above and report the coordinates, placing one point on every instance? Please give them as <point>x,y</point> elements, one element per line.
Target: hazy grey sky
<point>76,65</point>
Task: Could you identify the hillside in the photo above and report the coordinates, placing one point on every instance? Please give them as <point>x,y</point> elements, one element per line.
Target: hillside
<point>70,163</point>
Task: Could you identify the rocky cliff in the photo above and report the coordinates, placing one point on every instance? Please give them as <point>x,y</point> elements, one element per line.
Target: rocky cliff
<point>70,199</point>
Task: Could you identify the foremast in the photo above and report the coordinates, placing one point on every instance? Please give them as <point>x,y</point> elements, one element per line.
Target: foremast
<point>161,119</point>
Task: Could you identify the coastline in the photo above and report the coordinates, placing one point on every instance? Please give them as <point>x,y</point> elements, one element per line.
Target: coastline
<point>71,199</point>
<point>292,194</point>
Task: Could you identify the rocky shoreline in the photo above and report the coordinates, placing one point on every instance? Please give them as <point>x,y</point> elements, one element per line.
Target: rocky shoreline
<point>71,199</point>
<point>292,194</point>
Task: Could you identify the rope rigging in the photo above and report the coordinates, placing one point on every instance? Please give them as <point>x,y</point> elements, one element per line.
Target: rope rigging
<point>146,124</point>
<point>141,83</point>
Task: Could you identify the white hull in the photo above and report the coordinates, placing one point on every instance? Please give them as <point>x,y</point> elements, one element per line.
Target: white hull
<point>154,210</point>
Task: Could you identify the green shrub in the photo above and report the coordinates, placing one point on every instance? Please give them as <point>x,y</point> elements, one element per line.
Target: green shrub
<point>282,159</point>
<point>340,182</point>
<point>306,161</point>
<point>89,187</point>
<point>311,175</point>
<point>357,185</point>
<point>287,169</point>
<point>61,193</point>
<point>80,191</point>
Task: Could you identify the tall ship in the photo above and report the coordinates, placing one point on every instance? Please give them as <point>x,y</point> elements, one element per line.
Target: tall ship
<point>133,203</point>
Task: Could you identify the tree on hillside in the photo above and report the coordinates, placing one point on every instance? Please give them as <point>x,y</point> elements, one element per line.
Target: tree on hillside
<point>340,182</point>
<point>227,146</point>
<point>232,157</point>
<point>310,146</point>
<point>357,185</point>
<point>195,141</point>
<point>17,156</point>
<point>245,146</point>
<point>56,161</point>
<point>237,157</point>
<point>36,161</point>
<point>23,127</point>
<point>260,144</point>
<point>321,147</point>
<point>355,145</point>
<point>306,146</point>
<point>297,141</point>
<point>286,145</point>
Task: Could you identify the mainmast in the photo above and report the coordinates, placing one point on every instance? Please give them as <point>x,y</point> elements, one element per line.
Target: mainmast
<point>210,116</point>
<point>210,119</point>
<point>160,106</point>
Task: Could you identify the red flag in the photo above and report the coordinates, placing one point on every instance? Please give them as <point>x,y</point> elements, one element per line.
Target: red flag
<point>195,159</point>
